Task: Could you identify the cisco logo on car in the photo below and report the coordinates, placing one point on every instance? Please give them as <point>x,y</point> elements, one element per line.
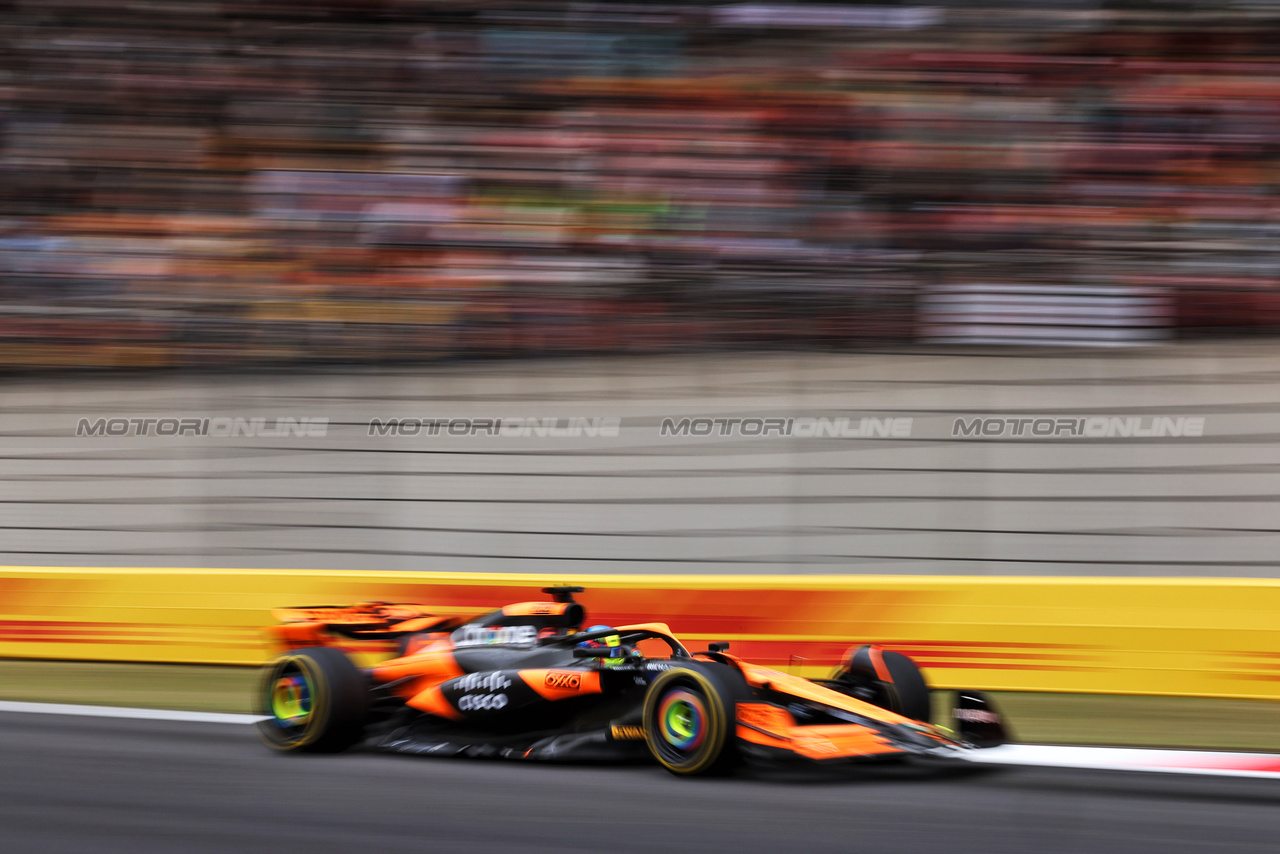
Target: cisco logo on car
<point>482,702</point>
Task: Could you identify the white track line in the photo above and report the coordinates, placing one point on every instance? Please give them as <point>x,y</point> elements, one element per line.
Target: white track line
<point>125,712</point>
<point>1262,765</point>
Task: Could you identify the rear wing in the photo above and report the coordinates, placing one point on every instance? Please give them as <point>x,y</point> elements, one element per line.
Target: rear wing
<point>368,630</point>
<point>366,618</point>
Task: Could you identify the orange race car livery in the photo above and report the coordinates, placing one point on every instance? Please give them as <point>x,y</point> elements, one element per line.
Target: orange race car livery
<point>525,681</point>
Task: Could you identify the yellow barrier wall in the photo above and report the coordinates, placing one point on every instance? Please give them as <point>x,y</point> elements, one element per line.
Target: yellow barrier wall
<point>1207,637</point>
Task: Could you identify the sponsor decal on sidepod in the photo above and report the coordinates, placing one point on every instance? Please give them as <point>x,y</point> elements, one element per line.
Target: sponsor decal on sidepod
<point>493,681</point>
<point>567,681</point>
<point>496,636</point>
<point>482,702</point>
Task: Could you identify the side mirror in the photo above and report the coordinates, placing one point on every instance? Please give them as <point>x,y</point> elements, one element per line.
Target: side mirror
<point>718,647</point>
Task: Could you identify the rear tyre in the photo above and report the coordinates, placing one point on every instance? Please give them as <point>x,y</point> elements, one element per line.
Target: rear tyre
<point>314,700</point>
<point>689,721</point>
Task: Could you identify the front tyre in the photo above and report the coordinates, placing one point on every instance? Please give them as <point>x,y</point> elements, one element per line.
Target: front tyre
<point>909,692</point>
<point>887,679</point>
<point>314,700</point>
<point>689,721</point>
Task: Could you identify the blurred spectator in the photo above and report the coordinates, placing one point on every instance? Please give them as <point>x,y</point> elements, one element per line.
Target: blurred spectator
<point>391,179</point>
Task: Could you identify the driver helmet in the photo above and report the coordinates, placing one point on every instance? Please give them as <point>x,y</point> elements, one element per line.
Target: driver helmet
<point>613,642</point>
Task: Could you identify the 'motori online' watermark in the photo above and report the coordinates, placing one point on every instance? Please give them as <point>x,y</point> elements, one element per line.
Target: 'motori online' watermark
<point>796,428</point>
<point>250,427</point>
<point>573,427</point>
<point>1080,427</point>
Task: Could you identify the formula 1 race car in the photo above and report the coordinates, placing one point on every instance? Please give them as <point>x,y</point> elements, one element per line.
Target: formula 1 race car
<point>526,682</point>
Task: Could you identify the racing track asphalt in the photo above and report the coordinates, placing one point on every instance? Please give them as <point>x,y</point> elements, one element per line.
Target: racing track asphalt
<point>112,785</point>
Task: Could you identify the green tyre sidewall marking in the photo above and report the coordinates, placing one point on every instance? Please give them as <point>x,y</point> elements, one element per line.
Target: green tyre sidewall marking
<point>716,740</point>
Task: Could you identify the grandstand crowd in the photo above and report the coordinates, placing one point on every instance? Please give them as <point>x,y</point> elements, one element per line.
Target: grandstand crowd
<point>217,183</point>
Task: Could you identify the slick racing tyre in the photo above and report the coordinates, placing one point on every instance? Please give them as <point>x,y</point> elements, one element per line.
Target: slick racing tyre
<point>314,700</point>
<point>903,691</point>
<point>909,692</point>
<point>689,720</point>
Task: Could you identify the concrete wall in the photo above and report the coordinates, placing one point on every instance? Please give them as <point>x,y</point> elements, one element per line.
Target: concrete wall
<point>929,502</point>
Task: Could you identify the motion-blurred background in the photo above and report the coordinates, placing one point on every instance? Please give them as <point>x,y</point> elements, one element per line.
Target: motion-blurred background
<point>285,183</point>
<point>360,211</point>
<point>207,183</point>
